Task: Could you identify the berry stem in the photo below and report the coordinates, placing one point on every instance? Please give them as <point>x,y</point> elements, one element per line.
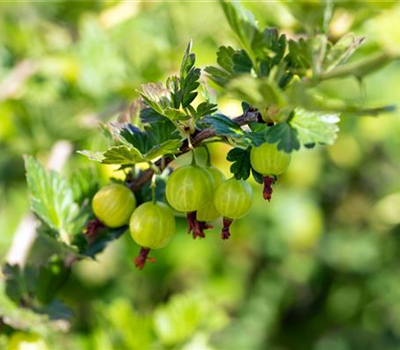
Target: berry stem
<point>140,260</point>
<point>225,233</point>
<point>193,157</point>
<point>197,227</point>
<point>153,188</point>
<point>208,162</point>
<point>267,192</point>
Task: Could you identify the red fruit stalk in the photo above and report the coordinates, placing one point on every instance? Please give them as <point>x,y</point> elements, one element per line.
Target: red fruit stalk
<point>225,233</point>
<point>196,227</point>
<point>140,260</point>
<point>267,192</point>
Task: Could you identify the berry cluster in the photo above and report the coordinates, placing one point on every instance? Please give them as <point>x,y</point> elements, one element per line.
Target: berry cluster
<point>202,193</point>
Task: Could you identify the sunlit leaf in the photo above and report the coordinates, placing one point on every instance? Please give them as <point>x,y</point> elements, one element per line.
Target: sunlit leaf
<point>51,198</point>
<point>314,127</point>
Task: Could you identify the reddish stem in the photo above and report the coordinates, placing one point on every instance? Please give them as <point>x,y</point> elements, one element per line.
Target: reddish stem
<point>225,233</point>
<point>93,229</point>
<point>267,192</point>
<point>197,227</point>
<point>140,260</point>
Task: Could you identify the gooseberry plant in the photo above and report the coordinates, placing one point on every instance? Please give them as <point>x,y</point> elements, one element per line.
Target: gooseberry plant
<point>276,79</point>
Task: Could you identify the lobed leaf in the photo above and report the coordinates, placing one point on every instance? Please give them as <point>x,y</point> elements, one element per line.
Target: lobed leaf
<point>242,23</point>
<point>187,61</point>
<point>188,86</point>
<point>284,136</point>
<point>225,58</point>
<point>28,319</point>
<point>218,76</point>
<point>241,166</point>
<point>223,125</point>
<point>241,62</point>
<point>206,108</point>
<point>51,198</point>
<point>156,96</point>
<point>315,127</point>
<point>167,147</point>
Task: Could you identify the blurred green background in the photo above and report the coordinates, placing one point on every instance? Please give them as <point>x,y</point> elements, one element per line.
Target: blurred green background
<point>318,268</point>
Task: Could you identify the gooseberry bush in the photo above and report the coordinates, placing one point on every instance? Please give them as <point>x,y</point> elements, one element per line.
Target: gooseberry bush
<point>275,77</point>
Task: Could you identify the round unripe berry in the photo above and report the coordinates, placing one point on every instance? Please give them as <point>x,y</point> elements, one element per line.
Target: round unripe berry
<point>268,160</point>
<point>233,198</point>
<point>23,341</point>
<point>113,205</point>
<point>209,212</point>
<point>152,225</point>
<point>189,188</point>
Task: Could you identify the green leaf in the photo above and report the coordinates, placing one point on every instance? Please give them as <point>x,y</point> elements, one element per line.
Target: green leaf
<point>241,166</point>
<point>242,23</point>
<point>97,156</point>
<point>256,138</point>
<point>188,85</point>
<point>132,136</point>
<point>156,96</point>
<point>173,84</point>
<point>139,146</point>
<point>26,319</point>
<point>51,198</point>
<point>35,285</point>
<point>175,114</point>
<point>257,176</point>
<point>300,56</point>
<point>103,239</point>
<point>241,62</point>
<point>167,147</point>
<point>234,62</point>
<point>46,245</point>
<point>225,58</point>
<point>223,125</point>
<point>315,127</point>
<point>84,183</point>
<point>218,76</point>
<point>123,155</point>
<point>189,79</point>
<point>284,136</point>
<point>313,16</point>
<point>164,101</point>
<point>149,115</point>
<point>50,278</point>
<point>162,131</point>
<point>187,61</point>
<point>205,108</point>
